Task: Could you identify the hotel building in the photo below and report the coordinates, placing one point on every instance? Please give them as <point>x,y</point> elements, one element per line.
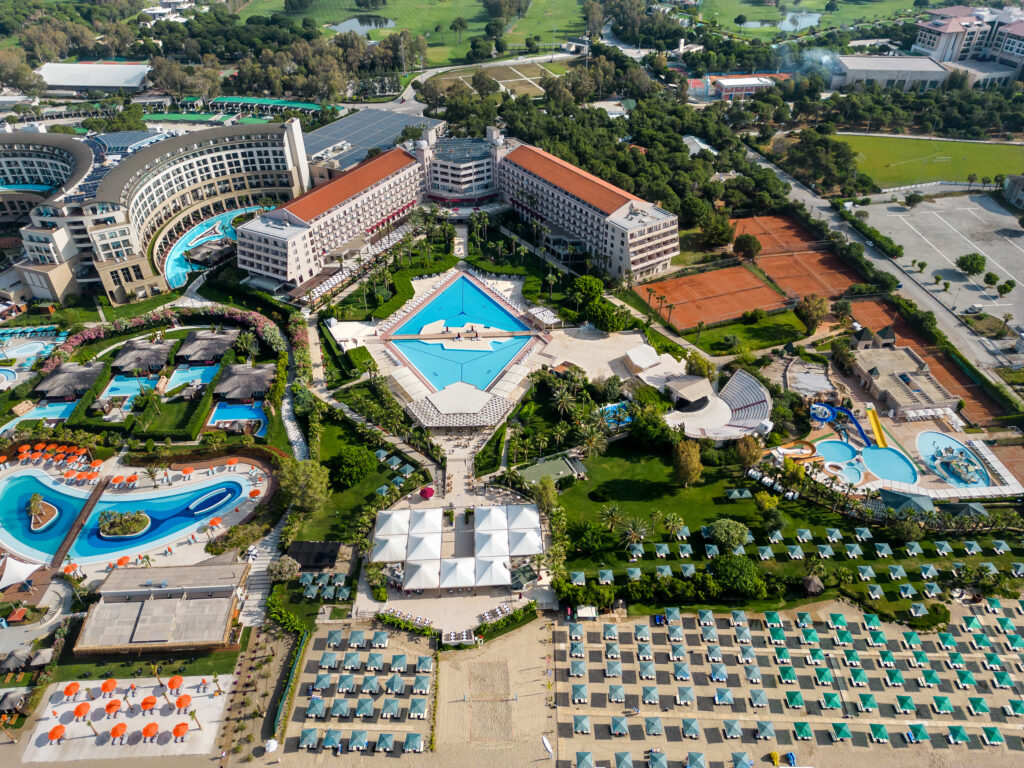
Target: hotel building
<point>962,33</point>
<point>105,219</point>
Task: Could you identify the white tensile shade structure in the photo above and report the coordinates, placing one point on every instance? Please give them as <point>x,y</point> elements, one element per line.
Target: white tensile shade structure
<point>522,516</point>
<point>424,546</point>
<point>522,543</point>
<point>490,519</point>
<point>389,549</point>
<point>422,574</point>
<point>392,522</point>
<point>457,572</point>
<point>491,543</point>
<point>492,572</point>
<point>15,571</point>
<point>425,521</point>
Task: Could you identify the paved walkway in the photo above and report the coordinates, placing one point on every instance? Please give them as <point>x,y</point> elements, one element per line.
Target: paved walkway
<point>258,584</point>
<point>57,601</point>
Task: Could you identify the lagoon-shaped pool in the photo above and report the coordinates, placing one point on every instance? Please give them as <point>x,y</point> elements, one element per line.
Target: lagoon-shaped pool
<point>951,460</point>
<point>172,511</point>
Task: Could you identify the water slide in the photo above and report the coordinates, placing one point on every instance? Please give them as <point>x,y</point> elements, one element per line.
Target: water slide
<point>876,427</point>
<point>826,413</point>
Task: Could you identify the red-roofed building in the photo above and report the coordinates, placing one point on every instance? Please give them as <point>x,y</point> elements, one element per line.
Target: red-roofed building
<point>961,33</point>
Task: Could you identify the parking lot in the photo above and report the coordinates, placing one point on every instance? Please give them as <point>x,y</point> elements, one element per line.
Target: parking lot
<point>941,231</point>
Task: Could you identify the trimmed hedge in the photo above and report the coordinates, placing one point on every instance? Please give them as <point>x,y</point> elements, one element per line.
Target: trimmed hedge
<point>403,285</point>
<point>884,243</point>
<point>360,358</point>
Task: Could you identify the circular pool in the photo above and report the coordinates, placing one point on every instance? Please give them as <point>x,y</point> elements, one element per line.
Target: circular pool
<point>889,464</point>
<point>8,374</point>
<point>952,460</point>
<point>836,451</point>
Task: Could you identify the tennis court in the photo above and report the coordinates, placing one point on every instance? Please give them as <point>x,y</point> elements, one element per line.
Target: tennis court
<point>722,294</point>
<point>778,234</point>
<point>978,407</point>
<point>819,272</point>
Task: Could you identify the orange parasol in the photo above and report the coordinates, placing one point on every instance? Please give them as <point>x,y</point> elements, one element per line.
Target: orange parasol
<point>36,455</point>
<point>59,457</point>
<point>39,446</point>
<point>56,733</point>
<point>69,474</point>
<point>151,730</point>
<point>180,730</point>
<point>82,709</point>
<point>22,456</point>
<point>214,522</point>
<point>3,459</point>
<point>118,731</point>
<point>175,683</point>
<point>71,689</point>
<point>123,560</point>
<point>62,449</point>
<point>24,448</point>
<point>132,479</point>
<point>183,701</point>
<point>254,493</point>
<point>232,462</point>
<point>110,683</point>
<point>188,470</point>
<point>51,447</point>
<point>92,475</point>
<point>81,476</point>
<point>69,569</point>
<point>149,702</point>
<point>113,706</point>
<point>118,479</point>
<point>81,451</point>
<point>96,463</point>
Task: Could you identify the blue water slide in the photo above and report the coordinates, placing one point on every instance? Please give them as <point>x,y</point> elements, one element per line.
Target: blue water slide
<point>825,413</point>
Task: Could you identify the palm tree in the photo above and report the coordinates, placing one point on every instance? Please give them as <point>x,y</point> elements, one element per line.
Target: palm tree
<point>700,330</point>
<point>815,566</point>
<point>560,432</point>
<point>634,531</point>
<point>650,297</point>
<point>673,524</point>
<point>594,442</point>
<point>610,515</point>
<point>564,401</point>
<point>152,473</point>
<point>551,278</point>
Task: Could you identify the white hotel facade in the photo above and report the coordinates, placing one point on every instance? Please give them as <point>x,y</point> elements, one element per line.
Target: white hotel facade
<point>581,213</point>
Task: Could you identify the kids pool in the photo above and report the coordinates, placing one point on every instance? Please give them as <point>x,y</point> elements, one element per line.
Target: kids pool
<point>938,450</point>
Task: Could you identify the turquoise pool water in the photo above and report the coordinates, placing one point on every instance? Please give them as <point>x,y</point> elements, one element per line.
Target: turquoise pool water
<point>240,411</point>
<point>929,444</point>
<point>889,464</point>
<point>128,386</point>
<point>51,411</point>
<point>478,367</point>
<point>185,374</point>
<point>843,454</point>
<point>8,373</point>
<point>616,415</point>
<point>172,511</point>
<point>177,267</point>
<point>462,303</point>
<point>27,349</point>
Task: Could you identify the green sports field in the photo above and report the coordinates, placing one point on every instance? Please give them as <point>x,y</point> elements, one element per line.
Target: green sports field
<point>894,162</point>
<point>420,17</point>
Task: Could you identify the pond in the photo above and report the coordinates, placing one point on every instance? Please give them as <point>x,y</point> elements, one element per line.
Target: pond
<point>362,24</point>
<point>793,22</point>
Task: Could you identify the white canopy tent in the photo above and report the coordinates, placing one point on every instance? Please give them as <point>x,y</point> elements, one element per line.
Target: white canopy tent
<point>490,519</point>
<point>492,572</point>
<point>15,571</point>
<point>521,543</point>
<point>457,572</point>
<point>521,516</point>
<point>392,521</point>
<point>389,549</point>
<point>422,574</point>
<point>425,521</point>
<point>491,543</point>
<point>424,546</point>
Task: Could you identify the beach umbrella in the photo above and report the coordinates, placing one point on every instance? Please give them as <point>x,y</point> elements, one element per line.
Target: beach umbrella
<point>175,683</point>
<point>24,449</point>
<point>113,707</point>
<point>95,463</point>
<point>81,476</point>
<point>71,689</point>
<point>23,456</point>
<point>214,522</point>
<point>132,479</point>
<point>118,731</point>
<point>148,703</point>
<point>254,493</point>
<point>39,447</point>
<point>51,447</point>
<point>82,709</point>
<point>110,684</point>
<point>69,474</point>
<point>81,452</point>
<point>36,456</point>
<point>68,569</point>
<point>188,471</point>
<point>232,461</point>
<point>92,475</point>
<point>151,730</point>
<point>56,733</point>
<point>180,730</point>
<point>426,493</point>
<point>123,560</point>
<point>3,459</point>
<point>118,479</point>
<point>183,701</point>
<point>58,458</point>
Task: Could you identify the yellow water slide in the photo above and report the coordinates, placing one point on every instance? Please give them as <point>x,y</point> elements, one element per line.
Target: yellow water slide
<point>876,427</point>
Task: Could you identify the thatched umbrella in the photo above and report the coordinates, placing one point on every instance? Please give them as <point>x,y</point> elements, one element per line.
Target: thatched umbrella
<point>813,586</point>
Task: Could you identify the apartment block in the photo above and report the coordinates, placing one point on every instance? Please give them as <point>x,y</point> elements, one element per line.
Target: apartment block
<point>962,33</point>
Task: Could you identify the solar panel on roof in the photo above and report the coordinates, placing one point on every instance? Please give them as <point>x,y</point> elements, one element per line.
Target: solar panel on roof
<point>363,131</point>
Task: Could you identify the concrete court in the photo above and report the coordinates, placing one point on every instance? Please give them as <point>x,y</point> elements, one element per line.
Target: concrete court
<point>80,743</point>
<point>941,231</point>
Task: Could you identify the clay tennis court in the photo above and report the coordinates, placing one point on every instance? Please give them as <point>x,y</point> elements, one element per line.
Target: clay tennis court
<point>778,234</point>
<point>978,407</point>
<point>819,272</point>
<point>710,296</point>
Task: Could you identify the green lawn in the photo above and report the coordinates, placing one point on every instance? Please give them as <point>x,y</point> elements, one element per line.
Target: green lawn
<point>418,16</point>
<point>137,308</point>
<point>690,251</point>
<point>86,313</point>
<point>565,17</point>
<point>640,483</point>
<point>893,161</point>
<point>122,667</point>
<point>769,332</point>
<point>850,11</point>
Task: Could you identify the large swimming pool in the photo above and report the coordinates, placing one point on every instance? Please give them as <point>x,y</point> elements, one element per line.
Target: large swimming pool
<point>889,464</point>
<point>445,365</point>
<point>460,304</point>
<point>952,460</point>
<point>172,512</point>
<point>177,267</point>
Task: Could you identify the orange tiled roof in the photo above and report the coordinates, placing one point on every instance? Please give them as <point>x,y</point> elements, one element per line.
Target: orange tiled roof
<point>587,187</point>
<point>320,199</point>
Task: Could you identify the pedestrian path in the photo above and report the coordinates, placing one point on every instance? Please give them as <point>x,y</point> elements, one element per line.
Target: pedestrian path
<point>258,585</point>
